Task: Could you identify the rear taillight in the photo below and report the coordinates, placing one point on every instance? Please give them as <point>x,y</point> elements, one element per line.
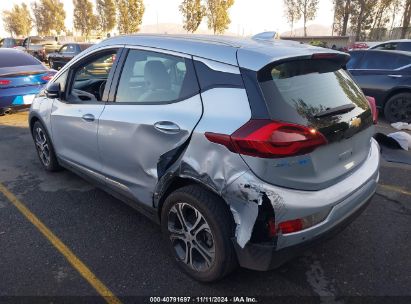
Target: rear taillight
<point>270,139</point>
<point>374,110</point>
<point>47,77</point>
<point>4,82</point>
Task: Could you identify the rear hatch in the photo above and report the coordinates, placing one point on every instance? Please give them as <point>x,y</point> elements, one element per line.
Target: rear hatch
<point>311,98</point>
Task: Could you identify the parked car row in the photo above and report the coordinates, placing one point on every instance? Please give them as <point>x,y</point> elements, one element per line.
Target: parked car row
<point>44,48</point>
<point>67,52</point>
<point>22,77</point>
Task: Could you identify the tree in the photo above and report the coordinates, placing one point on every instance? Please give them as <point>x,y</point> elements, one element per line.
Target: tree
<point>308,10</point>
<point>18,20</point>
<point>362,17</point>
<point>49,15</point>
<point>342,11</point>
<point>380,19</point>
<point>292,13</point>
<point>130,15</point>
<point>84,19</point>
<point>217,15</point>
<point>106,14</point>
<point>193,12</point>
<point>406,18</point>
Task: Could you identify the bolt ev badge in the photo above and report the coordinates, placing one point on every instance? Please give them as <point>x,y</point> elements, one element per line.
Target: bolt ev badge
<point>355,122</point>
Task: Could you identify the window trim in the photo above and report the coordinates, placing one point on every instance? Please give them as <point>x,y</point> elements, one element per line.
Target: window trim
<point>75,65</point>
<point>116,81</point>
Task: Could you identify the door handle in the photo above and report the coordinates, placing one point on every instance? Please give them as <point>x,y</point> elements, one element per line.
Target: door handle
<point>88,117</point>
<point>395,76</point>
<point>167,127</point>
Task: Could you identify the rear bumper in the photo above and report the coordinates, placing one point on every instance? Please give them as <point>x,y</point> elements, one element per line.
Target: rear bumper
<point>341,203</point>
<point>18,97</point>
<point>265,257</point>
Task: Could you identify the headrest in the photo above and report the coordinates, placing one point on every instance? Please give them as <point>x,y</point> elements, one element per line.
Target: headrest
<point>156,76</point>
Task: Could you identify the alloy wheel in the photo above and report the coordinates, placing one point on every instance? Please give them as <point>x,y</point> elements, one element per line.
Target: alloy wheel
<point>191,237</point>
<point>42,146</point>
<point>400,109</point>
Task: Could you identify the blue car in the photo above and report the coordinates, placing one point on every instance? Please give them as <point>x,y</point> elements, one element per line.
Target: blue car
<point>21,77</point>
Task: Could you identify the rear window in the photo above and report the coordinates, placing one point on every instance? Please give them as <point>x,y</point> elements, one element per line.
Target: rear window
<point>13,59</point>
<point>298,90</point>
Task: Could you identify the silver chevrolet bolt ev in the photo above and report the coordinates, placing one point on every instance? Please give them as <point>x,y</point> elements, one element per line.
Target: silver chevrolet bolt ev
<point>244,150</point>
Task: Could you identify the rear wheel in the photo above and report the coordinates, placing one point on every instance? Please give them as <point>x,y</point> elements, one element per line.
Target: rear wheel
<point>45,150</point>
<point>198,228</point>
<point>398,108</point>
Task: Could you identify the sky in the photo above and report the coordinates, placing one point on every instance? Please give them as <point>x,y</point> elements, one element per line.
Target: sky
<point>247,16</point>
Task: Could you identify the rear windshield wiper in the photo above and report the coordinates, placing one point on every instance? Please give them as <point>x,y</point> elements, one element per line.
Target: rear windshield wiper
<point>334,111</point>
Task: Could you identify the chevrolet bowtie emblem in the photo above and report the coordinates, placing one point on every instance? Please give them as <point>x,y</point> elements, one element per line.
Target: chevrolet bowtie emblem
<point>355,122</point>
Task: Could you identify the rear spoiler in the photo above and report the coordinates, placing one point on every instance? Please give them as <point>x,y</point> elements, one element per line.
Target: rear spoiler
<point>22,70</point>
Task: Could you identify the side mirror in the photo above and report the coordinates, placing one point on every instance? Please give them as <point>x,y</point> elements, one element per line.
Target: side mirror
<point>53,90</point>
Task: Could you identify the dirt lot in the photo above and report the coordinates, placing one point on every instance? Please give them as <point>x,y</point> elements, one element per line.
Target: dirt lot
<point>124,251</point>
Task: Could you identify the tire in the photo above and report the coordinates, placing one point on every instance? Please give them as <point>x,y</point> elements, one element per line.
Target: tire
<point>212,234</point>
<point>398,108</point>
<point>44,147</point>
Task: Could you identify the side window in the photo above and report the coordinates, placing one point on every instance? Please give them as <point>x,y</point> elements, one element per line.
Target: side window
<point>404,46</point>
<point>377,61</point>
<point>387,46</point>
<point>151,77</point>
<point>70,48</point>
<point>89,77</point>
<point>355,58</point>
<point>63,49</point>
<point>380,47</point>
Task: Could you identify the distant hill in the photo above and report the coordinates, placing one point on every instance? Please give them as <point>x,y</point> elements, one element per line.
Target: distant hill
<point>312,30</point>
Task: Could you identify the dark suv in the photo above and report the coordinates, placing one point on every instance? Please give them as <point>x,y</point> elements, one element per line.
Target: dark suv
<point>386,76</point>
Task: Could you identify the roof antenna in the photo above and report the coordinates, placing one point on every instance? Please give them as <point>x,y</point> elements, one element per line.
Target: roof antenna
<point>265,36</point>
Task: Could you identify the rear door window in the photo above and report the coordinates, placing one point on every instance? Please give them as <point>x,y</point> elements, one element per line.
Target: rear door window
<point>380,60</point>
<point>387,46</point>
<point>297,91</point>
<point>355,58</point>
<point>151,77</point>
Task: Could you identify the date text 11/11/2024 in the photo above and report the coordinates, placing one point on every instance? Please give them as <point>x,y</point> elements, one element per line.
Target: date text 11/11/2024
<point>203,299</point>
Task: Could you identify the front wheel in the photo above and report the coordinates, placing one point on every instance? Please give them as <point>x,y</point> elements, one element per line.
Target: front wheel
<point>45,150</point>
<point>398,108</point>
<point>198,228</point>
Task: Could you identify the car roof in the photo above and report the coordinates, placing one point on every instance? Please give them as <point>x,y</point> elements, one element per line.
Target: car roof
<point>396,40</point>
<point>394,52</point>
<point>248,53</point>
